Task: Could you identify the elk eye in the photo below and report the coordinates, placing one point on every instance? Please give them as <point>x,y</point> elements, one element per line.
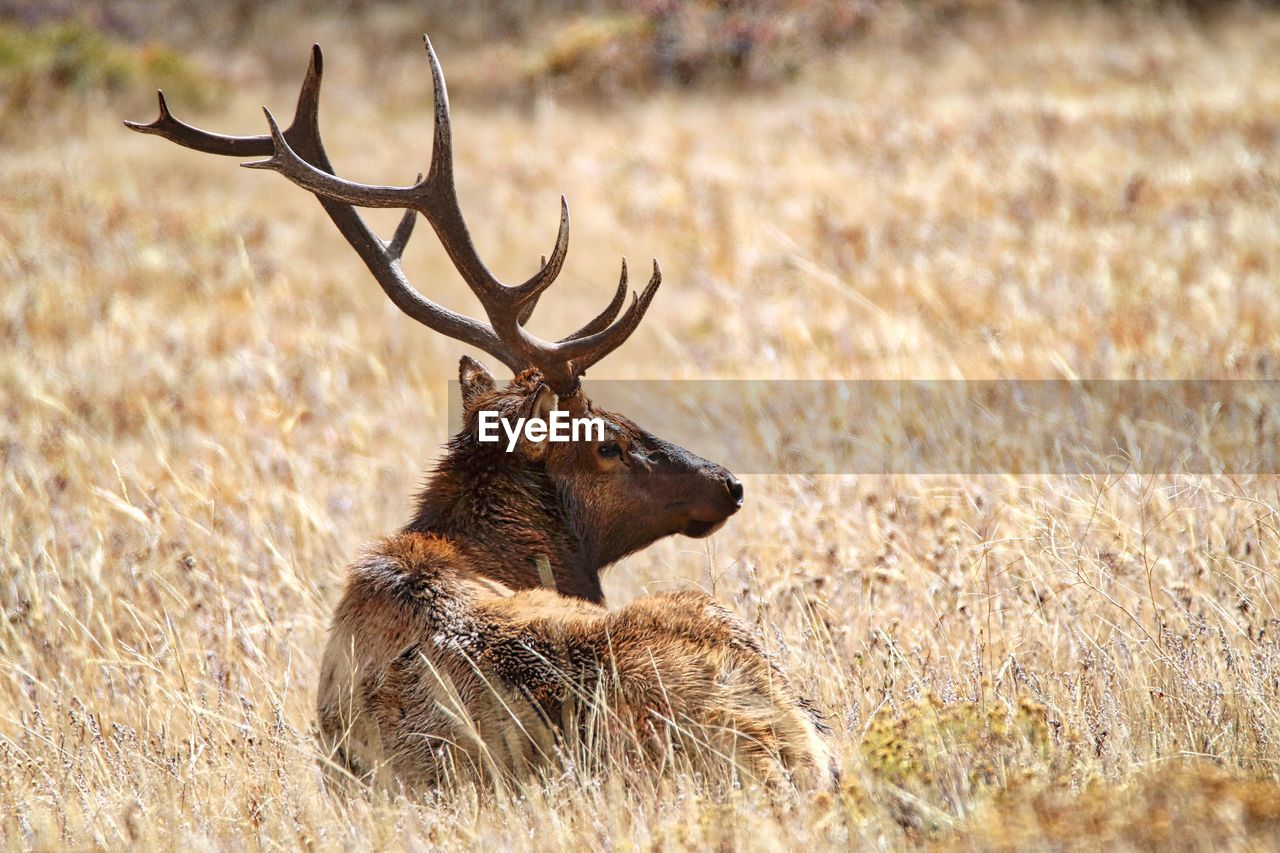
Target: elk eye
<point>610,450</point>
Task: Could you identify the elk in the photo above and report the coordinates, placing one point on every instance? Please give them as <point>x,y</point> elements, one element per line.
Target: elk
<point>448,655</point>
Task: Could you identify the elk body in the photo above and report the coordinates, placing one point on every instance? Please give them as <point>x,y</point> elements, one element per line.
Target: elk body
<point>448,656</point>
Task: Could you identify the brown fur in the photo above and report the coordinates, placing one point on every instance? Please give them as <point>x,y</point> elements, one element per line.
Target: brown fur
<point>446,658</point>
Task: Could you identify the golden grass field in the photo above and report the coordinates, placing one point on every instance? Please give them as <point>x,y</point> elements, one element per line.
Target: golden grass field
<point>207,406</point>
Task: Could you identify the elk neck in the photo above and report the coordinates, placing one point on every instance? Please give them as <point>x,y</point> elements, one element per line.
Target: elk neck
<point>502,512</point>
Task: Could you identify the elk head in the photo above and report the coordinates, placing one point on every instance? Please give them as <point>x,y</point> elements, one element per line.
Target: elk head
<point>623,487</point>
<point>584,503</point>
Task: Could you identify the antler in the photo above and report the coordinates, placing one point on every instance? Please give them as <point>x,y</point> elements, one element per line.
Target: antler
<point>299,155</point>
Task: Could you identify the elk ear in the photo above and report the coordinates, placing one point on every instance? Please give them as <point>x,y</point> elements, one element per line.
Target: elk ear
<point>474,379</point>
<point>544,402</point>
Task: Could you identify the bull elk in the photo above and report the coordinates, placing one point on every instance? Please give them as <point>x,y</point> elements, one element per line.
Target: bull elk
<point>448,655</point>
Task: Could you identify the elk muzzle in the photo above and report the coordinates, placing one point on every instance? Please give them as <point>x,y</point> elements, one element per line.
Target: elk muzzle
<point>705,494</point>
<point>707,517</point>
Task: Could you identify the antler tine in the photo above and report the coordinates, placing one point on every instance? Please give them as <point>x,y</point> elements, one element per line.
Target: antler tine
<point>304,123</point>
<point>440,185</point>
<point>605,317</point>
<point>398,241</point>
<point>562,363</point>
<point>286,161</point>
<point>306,115</point>
<point>586,351</point>
<point>191,137</point>
<point>530,290</point>
<point>526,310</point>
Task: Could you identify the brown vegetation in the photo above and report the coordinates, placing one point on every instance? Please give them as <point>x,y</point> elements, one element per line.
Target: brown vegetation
<point>188,457</point>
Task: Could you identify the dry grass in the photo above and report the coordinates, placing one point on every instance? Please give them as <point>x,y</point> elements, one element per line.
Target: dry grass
<point>206,406</point>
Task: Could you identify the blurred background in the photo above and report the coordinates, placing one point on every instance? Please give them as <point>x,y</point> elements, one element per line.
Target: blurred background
<point>207,405</point>
<point>517,47</point>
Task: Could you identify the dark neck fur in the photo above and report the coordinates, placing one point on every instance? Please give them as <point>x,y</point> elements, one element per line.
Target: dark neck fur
<point>502,512</point>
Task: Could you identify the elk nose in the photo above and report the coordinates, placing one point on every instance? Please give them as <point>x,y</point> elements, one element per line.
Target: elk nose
<point>735,488</point>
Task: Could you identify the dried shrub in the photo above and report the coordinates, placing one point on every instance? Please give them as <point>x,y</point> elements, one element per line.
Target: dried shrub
<point>41,65</point>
